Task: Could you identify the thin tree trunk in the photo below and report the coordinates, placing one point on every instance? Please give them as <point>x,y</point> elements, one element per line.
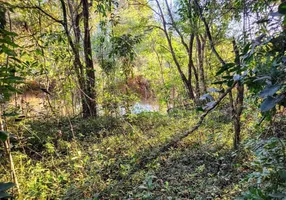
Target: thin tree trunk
<point>238,102</point>
<point>191,67</point>
<point>86,79</point>
<point>90,75</point>
<point>188,86</point>
<point>200,51</point>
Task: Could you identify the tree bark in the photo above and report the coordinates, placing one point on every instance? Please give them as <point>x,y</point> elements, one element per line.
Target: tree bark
<point>85,72</point>
<point>90,75</point>
<point>191,67</point>
<point>238,104</point>
<point>201,52</point>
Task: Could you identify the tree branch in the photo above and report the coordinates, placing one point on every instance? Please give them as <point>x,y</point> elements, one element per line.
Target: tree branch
<point>208,32</point>
<point>176,28</point>
<point>42,11</point>
<point>171,45</point>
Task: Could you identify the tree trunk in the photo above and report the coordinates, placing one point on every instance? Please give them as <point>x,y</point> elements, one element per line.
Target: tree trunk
<point>237,122</point>
<point>201,50</point>
<point>90,75</point>
<point>85,73</point>
<point>238,104</point>
<point>191,67</point>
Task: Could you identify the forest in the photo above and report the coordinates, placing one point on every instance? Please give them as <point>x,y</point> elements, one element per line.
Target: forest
<point>142,99</point>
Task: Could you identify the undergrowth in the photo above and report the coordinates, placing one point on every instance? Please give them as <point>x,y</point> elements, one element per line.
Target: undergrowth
<point>72,158</point>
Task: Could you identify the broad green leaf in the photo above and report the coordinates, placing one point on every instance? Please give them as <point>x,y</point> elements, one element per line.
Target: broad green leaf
<point>269,91</point>
<point>8,33</point>
<point>213,90</point>
<point>237,69</point>
<point>6,186</point>
<point>13,89</point>
<point>11,114</point>
<point>8,41</point>
<point>270,102</point>
<point>12,79</point>
<point>207,96</point>
<point>3,136</point>
<point>225,68</point>
<point>262,78</point>
<point>282,174</point>
<point>230,83</point>
<point>4,195</point>
<point>246,48</point>
<point>200,109</point>
<point>278,195</point>
<point>219,82</point>
<point>39,52</point>
<point>7,50</point>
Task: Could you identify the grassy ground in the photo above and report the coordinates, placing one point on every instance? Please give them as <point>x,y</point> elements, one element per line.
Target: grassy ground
<point>97,158</point>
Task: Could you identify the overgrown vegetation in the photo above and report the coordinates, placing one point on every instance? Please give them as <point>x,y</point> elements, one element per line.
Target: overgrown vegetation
<point>142,99</point>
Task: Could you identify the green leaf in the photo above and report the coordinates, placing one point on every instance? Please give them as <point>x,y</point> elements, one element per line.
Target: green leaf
<point>219,82</point>
<point>8,33</point>
<point>228,77</point>
<point>6,186</point>
<point>13,78</point>
<point>207,96</point>
<point>269,91</point>
<point>13,89</point>
<point>224,68</point>
<point>230,83</point>
<point>16,59</point>
<point>262,78</point>
<point>39,52</point>
<point>8,41</point>
<point>282,8</point>
<point>282,174</point>
<point>11,114</point>
<point>199,109</point>
<point>7,50</point>
<point>3,136</point>
<point>278,195</point>
<point>246,48</point>
<point>270,102</point>
<point>4,195</point>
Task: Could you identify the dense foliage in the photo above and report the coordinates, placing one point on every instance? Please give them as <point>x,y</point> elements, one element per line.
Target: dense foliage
<point>137,99</point>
